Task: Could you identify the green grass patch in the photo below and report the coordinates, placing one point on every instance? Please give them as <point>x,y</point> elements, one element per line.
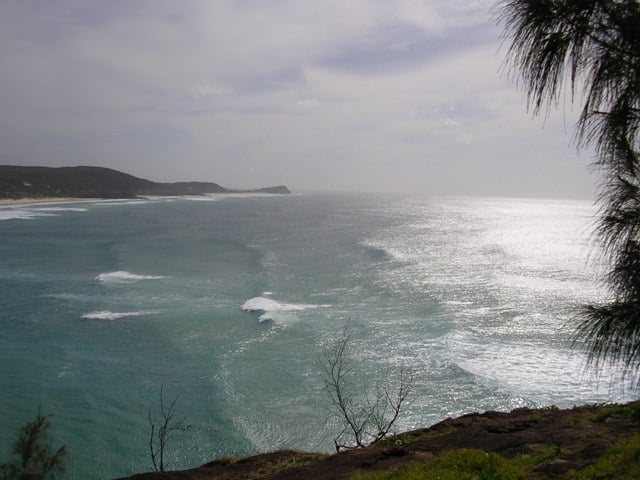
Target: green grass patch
<point>294,461</point>
<point>620,462</point>
<point>631,410</point>
<point>541,454</point>
<point>571,421</point>
<point>463,464</point>
<point>471,464</point>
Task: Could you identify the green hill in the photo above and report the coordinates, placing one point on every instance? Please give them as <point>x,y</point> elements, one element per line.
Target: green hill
<point>96,182</point>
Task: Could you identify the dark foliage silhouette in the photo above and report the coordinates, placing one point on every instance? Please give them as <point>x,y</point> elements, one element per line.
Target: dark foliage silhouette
<point>590,49</point>
<point>33,457</point>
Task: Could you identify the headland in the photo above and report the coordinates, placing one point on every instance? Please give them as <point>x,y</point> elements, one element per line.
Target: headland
<point>38,184</point>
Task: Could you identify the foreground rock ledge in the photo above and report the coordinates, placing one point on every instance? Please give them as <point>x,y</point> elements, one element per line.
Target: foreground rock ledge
<point>584,432</point>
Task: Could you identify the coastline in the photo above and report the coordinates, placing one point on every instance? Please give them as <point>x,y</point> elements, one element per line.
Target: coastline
<point>9,202</point>
<point>588,441</point>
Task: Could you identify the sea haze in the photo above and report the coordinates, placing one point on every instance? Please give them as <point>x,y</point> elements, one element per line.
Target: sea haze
<point>230,301</point>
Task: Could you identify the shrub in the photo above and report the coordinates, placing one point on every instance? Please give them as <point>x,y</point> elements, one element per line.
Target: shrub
<point>33,455</point>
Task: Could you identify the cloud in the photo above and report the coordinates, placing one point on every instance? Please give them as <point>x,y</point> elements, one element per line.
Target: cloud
<point>401,95</point>
<point>308,102</point>
<point>206,90</point>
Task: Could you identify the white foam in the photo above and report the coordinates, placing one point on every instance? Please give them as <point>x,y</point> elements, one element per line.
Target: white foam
<point>533,370</point>
<point>31,211</point>
<point>269,307</point>
<point>16,214</point>
<point>124,276</point>
<point>61,209</point>
<point>200,198</point>
<point>109,203</point>
<point>107,315</point>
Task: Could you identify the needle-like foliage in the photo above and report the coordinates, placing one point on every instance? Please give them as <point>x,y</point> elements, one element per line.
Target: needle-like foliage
<point>33,457</point>
<point>590,49</point>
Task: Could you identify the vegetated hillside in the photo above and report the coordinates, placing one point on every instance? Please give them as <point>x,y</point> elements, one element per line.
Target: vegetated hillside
<point>593,442</point>
<point>96,182</point>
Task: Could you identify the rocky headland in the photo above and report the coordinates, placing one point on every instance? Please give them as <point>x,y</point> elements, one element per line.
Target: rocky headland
<point>17,182</point>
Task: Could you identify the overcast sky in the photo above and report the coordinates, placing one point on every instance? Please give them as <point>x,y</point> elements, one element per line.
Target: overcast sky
<point>366,95</point>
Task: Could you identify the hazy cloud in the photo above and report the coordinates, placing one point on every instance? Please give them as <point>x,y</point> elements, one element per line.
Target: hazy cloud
<point>366,94</point>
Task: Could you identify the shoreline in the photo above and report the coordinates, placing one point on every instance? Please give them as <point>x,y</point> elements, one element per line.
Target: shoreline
<point>542,443</point>
<point>8,202</point>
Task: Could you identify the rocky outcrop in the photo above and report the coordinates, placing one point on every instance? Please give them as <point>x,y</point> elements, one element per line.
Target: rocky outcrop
<point>556,444</point>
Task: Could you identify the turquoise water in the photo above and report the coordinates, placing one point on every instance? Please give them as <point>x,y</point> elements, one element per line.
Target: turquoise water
<point>103,303</point>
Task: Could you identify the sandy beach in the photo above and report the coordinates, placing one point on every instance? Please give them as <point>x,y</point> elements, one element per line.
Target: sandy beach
<point>7,202</point>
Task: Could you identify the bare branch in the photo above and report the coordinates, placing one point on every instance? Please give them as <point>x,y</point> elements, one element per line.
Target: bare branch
<point>369,419</point>
<point>161,433</point>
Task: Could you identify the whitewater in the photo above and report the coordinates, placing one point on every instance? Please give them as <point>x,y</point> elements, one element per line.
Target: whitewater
<point>231,301</point>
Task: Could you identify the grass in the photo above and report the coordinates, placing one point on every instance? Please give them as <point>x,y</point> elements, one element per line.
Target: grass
<point>631,410</point>
<point>543,461</point>
<point>462,464</point>
<point>293,461</point>
<point>619,462</point>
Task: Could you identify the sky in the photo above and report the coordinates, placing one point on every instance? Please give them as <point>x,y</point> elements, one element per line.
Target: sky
<point>360,95</point>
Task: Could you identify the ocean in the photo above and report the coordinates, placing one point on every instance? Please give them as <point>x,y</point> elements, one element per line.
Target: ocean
<point>229,303</point>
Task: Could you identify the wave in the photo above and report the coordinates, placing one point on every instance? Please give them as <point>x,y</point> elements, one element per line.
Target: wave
<point>118,202</point>
<point>200,198</point>
<point>26,213</point>
<point>107,315</point>
<point>124,276</point>
<point>533,370</point>
<point>60,209</point>
<point>16,214</point>
<point>269,307</point>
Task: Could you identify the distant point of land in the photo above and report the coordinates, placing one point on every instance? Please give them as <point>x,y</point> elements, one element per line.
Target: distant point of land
<point>17,182</point>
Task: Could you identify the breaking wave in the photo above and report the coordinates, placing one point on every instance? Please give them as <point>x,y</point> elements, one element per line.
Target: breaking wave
<point>270,307</point>
<point>60,209</point>
<point>107,315</point>
<point>200,198</point>
<point>26,212</point>
<point>123,276</point>
<point>16,214</point>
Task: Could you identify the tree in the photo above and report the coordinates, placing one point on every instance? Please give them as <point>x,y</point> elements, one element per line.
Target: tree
<point>161,433</point>
<point>368,417</point>
<point>34,458</point>
<point>592,48</point>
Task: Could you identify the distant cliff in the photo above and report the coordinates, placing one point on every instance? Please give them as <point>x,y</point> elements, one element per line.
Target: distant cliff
<point>97,182</point>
